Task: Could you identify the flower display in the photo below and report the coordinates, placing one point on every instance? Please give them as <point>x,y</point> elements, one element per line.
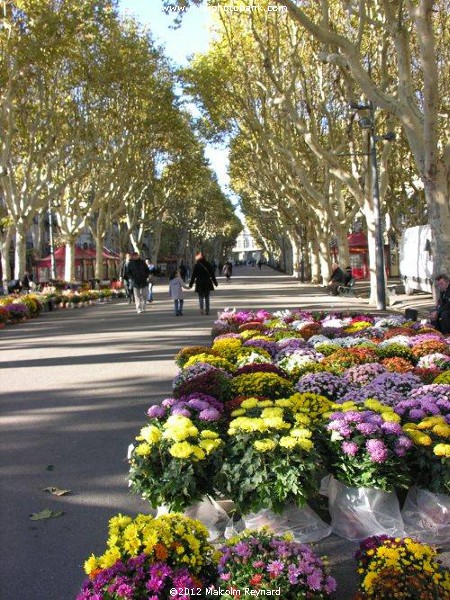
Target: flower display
<point>269,458</point>
<point>339,361</point>
<point>325,384</point>
<point>266,344</point>
<point>269,385</point>
<point>261,561</point>
<point>4,314</point>
<point>400,568</point>
<point>361,375</point>
<point>367,448</point>
<point>431,458</point>
<point>443,378</point>
<point>203,378</point>
<point>425,401</point>
<point>260,368</point>
<point>210,359</point>
<point>394,349</point>
<point>185,353</point>
<point>179,452</point>
<point>228,347</point>
<point>148,556</point>
<point>437,360</point>
<point>426,347</point>
<point>397,364</point>
<point>16,310</point>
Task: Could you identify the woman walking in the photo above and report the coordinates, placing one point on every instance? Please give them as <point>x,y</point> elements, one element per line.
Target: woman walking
<point>205,280</point>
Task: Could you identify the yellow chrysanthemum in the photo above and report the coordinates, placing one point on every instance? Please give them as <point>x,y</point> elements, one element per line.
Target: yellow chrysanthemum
<point>276,423</point>
<point>265,403</point>
<point>179,428</point>
<point>288,442</point>
<point>181,450</point>
<point>283,403</point>
<point>442,450</point>
<point>150,434</point>
<point>91,564</point>
<point>273,411</point>
<point>442,429</point>
<point>247,424</point>
<point>302,419</point>
<point>376,405</point>
<point>249,403</point>
<point>207,434</point>
<point>429,422</point>
<point>143,449</point>
<point>238,412</point>
<point>265,445</point>
<point>199,453</point>
<point>391,416</point>
<point>305,444</point>
<point>298,432</point>
<point>409,427</point>
<point>109,558</point>
<point>209,445</point>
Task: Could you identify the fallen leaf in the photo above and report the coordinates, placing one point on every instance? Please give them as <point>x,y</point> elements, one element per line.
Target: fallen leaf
<point>56,491</point>
<point>46,514</point>
<point>50,467</point>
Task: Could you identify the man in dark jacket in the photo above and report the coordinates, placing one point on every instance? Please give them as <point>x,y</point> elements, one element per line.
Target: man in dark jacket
<point>440,317</point>
<point>205,280</point>
<point>138,274</point>
<point>337,279</point>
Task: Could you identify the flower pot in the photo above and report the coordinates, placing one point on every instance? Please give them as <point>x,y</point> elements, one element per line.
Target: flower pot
<point>357,513</point>
<point>302,523</point>
<point>427,516</point>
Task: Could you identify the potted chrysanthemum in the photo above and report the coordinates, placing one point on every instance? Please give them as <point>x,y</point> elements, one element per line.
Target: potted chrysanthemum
<point>366,449</point>
<point>179,452</point>
<point>269,459</point>
<point>399,567</point>
<point>149,557</point>
<point>261,563</point>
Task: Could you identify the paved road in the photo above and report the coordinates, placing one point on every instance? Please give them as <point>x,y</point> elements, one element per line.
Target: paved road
<point>74,389</point>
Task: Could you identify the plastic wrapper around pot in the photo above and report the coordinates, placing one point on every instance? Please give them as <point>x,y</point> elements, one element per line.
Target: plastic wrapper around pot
<point>426,516</point>
<point>357,513</point>
<point>302,523</point>
<point>208,512</point>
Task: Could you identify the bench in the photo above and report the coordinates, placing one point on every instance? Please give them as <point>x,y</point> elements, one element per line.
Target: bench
<point>347,290</point>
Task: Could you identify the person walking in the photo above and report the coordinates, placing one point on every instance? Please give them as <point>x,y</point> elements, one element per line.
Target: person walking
<point>337,278</point>
<point>227,270</point>
<point>205,280</point>
<point>183,270</point>
<point>176,285</point>
<point>440,317</point>
<point>151,277</point>
<point>138,275</point>
<point>123,277</point>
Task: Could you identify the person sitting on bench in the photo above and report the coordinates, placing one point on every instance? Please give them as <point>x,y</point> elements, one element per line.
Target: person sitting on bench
<point>337,278</point>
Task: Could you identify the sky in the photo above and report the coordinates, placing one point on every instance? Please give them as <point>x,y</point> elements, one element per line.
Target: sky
<point>191,37</point>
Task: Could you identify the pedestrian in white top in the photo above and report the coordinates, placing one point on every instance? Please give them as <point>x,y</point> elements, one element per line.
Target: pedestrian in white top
<point>176,285</point>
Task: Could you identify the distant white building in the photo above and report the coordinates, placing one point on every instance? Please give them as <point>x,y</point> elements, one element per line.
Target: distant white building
<point>246,249</point>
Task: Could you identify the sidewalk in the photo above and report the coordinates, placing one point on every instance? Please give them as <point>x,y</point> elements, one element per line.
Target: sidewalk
<point>76,385</point>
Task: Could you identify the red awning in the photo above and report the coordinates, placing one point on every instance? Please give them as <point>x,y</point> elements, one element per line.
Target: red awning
<point>81,255</point>
<point>357,240</point>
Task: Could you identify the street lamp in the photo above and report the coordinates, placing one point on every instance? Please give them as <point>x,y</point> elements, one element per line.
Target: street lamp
<point>369,124</point>
<point>50,239</point>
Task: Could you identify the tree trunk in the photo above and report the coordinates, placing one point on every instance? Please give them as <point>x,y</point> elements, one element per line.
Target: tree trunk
<point>98,271</point>
<point>438,202</point>
<point>20,252</point>
<point>5,245</point>
<point>69,268</point>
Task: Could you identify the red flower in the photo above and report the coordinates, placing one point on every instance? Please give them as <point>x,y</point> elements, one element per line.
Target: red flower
<point>256,579</point>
